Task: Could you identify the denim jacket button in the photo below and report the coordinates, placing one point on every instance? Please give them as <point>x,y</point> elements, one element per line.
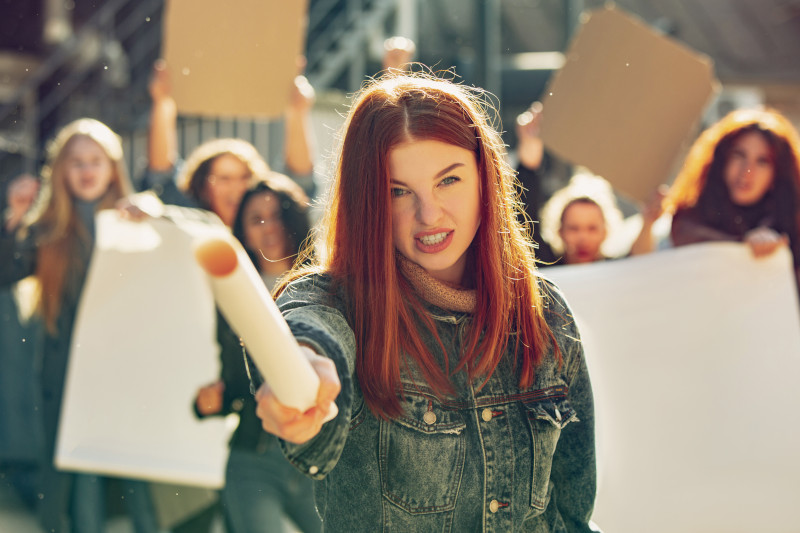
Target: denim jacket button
<point>486,415</point>
<point>429,417</point>
<point>494,505</point>
<point>313,470</point>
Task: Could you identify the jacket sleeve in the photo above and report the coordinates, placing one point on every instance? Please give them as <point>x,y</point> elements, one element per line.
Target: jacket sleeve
<point>574,469</point>
<point>314,321</point>
<point>164,186</point>
<point>17,257</point>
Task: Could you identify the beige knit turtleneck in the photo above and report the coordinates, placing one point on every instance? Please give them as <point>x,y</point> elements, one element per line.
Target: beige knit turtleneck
<point>439,293</point>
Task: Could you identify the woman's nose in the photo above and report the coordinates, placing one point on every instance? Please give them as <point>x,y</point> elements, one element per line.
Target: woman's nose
<point>429,210</point>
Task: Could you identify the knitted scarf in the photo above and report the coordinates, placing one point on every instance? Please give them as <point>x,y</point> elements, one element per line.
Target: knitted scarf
<point>445,295</point>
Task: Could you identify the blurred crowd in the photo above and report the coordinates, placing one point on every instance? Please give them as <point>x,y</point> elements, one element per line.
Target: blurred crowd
<point>740,182</point>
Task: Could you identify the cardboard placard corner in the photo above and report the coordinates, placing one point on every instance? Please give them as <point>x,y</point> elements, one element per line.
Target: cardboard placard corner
<point>626,101</point>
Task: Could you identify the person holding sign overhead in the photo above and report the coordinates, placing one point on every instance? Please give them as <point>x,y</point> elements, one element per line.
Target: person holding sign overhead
<point>463,396</point>
<point>216,173</point>
<point>578,221</point>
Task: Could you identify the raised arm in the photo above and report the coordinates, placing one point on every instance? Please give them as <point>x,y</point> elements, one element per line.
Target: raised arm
<point>17,258</point>
<point>299,137</point>
<point>162,147</point>
<point>652,211</point>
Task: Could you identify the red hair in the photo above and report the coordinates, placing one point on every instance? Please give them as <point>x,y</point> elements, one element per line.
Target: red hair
<point>358,250</point>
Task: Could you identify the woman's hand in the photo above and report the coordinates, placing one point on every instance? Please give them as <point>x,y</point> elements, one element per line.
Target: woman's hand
<point>209,398</point>
<point>130,211</point>
<point>530,148</point>
<point>764,241</point>
<point>301,96</point>
<point>290,424</point>
<point>160,86</point>
<point>654,207</point>
<point>22,192</point>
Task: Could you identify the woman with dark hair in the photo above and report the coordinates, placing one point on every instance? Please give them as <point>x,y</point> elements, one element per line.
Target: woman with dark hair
<point>262,490</point>
<point>272,222</point>
<point>457,371</point>
<point>741,182</point>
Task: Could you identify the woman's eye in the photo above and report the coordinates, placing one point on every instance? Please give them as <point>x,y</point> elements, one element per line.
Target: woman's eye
<point>397,192</point>
<point>449,180</point>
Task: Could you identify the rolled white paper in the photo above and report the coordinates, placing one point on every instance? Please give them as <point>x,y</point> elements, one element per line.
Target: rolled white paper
<point>251,312</point>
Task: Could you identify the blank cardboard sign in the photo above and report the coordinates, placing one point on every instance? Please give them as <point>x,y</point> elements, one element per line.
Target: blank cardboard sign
<point>233,61</point>
<point>625,101</point>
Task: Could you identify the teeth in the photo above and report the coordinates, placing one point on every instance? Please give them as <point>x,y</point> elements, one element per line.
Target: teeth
<point>436,238</point>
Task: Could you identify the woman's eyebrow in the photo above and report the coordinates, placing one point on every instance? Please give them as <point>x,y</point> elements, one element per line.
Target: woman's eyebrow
<point>448,169</point>
<point>439,174</point>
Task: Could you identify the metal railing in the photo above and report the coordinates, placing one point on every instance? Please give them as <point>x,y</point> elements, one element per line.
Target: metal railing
<point>338,32</point>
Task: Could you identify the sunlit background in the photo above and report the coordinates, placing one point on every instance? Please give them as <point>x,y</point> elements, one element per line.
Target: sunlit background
<point>63,59</point>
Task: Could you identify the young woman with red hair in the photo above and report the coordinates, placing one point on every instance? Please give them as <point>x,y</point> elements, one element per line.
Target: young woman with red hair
<point>741,182</point>
<point>463,397</point>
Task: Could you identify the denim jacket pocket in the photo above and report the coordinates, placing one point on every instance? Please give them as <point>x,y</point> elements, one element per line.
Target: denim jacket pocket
<point>546,419</point>
<point>422,456</point>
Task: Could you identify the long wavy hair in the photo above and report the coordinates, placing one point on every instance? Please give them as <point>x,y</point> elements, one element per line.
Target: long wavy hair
<point>700,185</point>
<point>355,244</point>
<point>59,230</point>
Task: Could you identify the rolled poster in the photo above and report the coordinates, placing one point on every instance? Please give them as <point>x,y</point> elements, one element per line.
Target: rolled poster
<point>251,312</point>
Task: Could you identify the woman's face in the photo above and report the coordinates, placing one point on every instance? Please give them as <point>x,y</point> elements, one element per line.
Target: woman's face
<point>583,230</point>
<point>435,190</point>
<point>88,170</point>
<point>227,181</point>
<point>264,231</point>
<point>749,170</point>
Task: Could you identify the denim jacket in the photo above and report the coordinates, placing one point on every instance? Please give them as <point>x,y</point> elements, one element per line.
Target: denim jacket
<point>494,458</point>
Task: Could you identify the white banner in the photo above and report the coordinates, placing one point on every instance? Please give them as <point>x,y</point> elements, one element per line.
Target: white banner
<point>695,358</point>
<point>144,342</point>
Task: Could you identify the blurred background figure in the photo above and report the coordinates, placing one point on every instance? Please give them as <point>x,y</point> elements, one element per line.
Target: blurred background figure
<point>217,172</point>
<point>262,490</point>
<point>54,242</point>
<point>582,221</point>
<point>741,182</point>
<point>21,437</point>
<point>578,220</point>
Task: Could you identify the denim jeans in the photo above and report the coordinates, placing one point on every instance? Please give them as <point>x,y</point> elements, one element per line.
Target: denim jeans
<point>88,505</point>
<point>263,489</point>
